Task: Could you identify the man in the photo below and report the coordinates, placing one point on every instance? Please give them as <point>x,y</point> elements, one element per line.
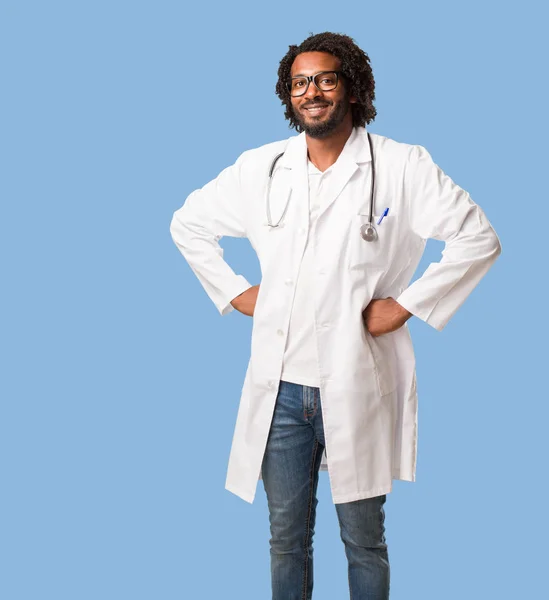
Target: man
<point>331,381</point>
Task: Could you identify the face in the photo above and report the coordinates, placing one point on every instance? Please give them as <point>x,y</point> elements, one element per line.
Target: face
<point>321,113</point>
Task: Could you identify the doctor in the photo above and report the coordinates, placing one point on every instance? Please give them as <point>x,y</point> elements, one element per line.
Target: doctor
<point>330,383</point>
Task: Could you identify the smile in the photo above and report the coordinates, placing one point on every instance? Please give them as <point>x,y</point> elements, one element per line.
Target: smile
<point>316,110</point>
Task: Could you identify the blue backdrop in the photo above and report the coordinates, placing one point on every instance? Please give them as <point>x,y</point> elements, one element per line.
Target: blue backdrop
<point>115,430</point>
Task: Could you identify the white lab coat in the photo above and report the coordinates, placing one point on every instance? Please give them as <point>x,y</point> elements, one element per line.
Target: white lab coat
<point>367,384</point>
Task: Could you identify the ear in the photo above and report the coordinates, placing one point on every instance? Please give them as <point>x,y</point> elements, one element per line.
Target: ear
<point>353,100</point>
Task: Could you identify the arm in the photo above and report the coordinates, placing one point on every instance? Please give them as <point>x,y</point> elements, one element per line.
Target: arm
<point>208,214</point>
<point>440,209</point>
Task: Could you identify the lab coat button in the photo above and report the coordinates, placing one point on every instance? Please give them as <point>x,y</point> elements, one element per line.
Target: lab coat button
<point>280,332</point>
<point>301,231</point>
<point>289,281</point>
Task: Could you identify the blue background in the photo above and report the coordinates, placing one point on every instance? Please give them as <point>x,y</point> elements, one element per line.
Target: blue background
<point>120,381</point>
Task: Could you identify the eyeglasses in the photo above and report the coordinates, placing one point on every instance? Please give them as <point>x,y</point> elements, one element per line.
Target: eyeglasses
<point>325,81</point>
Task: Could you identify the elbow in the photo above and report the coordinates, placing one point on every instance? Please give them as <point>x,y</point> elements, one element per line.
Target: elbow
<point>180,225</point>
<point>178,229</point>
<point>174,225</point>
<point>495,244</point>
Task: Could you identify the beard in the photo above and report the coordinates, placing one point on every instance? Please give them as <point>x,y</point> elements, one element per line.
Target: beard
<point>323,128</point>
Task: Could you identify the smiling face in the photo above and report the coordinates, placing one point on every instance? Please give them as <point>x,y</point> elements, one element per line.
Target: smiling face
<point>321,113</point>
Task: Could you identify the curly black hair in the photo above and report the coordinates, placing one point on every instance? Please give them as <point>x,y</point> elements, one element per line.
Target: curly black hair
<point>355,65</point>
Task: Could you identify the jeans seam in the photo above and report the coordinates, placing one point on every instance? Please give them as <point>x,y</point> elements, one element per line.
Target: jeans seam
<point>308,522</point>
<point>350,588</point>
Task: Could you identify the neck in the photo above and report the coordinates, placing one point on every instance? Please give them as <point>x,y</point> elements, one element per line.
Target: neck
<point>324,152</point>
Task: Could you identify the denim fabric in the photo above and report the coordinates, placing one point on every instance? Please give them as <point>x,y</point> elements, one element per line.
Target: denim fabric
<point>290,477</point>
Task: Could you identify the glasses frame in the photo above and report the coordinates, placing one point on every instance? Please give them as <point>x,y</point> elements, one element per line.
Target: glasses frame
<point>310,79</point>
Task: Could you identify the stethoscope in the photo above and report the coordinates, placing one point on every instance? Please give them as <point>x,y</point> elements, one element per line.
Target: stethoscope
<point>367,231</point>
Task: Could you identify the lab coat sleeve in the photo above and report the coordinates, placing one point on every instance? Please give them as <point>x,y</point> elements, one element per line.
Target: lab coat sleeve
<point>208,214</point>
<point>440,209</point>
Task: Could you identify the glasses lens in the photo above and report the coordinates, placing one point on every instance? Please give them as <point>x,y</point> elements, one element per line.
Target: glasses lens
<point>298,86</point>
<point>326,81</point>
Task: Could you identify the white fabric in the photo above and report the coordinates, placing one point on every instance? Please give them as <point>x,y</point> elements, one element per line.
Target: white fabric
<point>367,384</point>
<point>300,363</point>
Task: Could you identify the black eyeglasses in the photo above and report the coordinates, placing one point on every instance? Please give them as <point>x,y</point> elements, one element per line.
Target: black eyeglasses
<point>325,81</point>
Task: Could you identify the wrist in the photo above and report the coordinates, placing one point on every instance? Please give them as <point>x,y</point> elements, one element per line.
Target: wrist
<point>403,314</point>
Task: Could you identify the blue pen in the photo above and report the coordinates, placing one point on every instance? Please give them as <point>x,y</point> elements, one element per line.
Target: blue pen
<point>386,212</point>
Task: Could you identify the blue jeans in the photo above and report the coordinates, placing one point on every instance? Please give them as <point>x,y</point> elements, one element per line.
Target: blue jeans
<point>290,477</point>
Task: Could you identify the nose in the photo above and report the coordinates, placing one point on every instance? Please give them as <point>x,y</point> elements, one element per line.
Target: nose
<point>313,92</point>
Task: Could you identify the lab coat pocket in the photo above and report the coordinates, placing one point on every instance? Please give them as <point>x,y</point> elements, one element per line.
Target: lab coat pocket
<point>382,348</point>
<point>377,253</point>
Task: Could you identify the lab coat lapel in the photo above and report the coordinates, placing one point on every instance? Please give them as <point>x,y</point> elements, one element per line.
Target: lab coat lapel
<point>295,158</point>
<point>355,152</point>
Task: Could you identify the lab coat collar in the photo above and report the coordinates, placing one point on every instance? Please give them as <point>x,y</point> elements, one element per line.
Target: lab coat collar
<point>356,150</point>
<point>356,147</point>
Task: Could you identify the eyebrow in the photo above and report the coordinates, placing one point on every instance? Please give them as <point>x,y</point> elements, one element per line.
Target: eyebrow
<point>315,73</point>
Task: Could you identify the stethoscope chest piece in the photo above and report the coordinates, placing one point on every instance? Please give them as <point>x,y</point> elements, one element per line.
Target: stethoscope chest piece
<point>368,232</point>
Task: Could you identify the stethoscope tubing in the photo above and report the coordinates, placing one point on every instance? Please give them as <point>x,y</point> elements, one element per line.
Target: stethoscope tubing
<point>370,236</point>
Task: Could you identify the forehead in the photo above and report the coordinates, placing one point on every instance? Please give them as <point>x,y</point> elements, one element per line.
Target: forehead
<point>308,63</point>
